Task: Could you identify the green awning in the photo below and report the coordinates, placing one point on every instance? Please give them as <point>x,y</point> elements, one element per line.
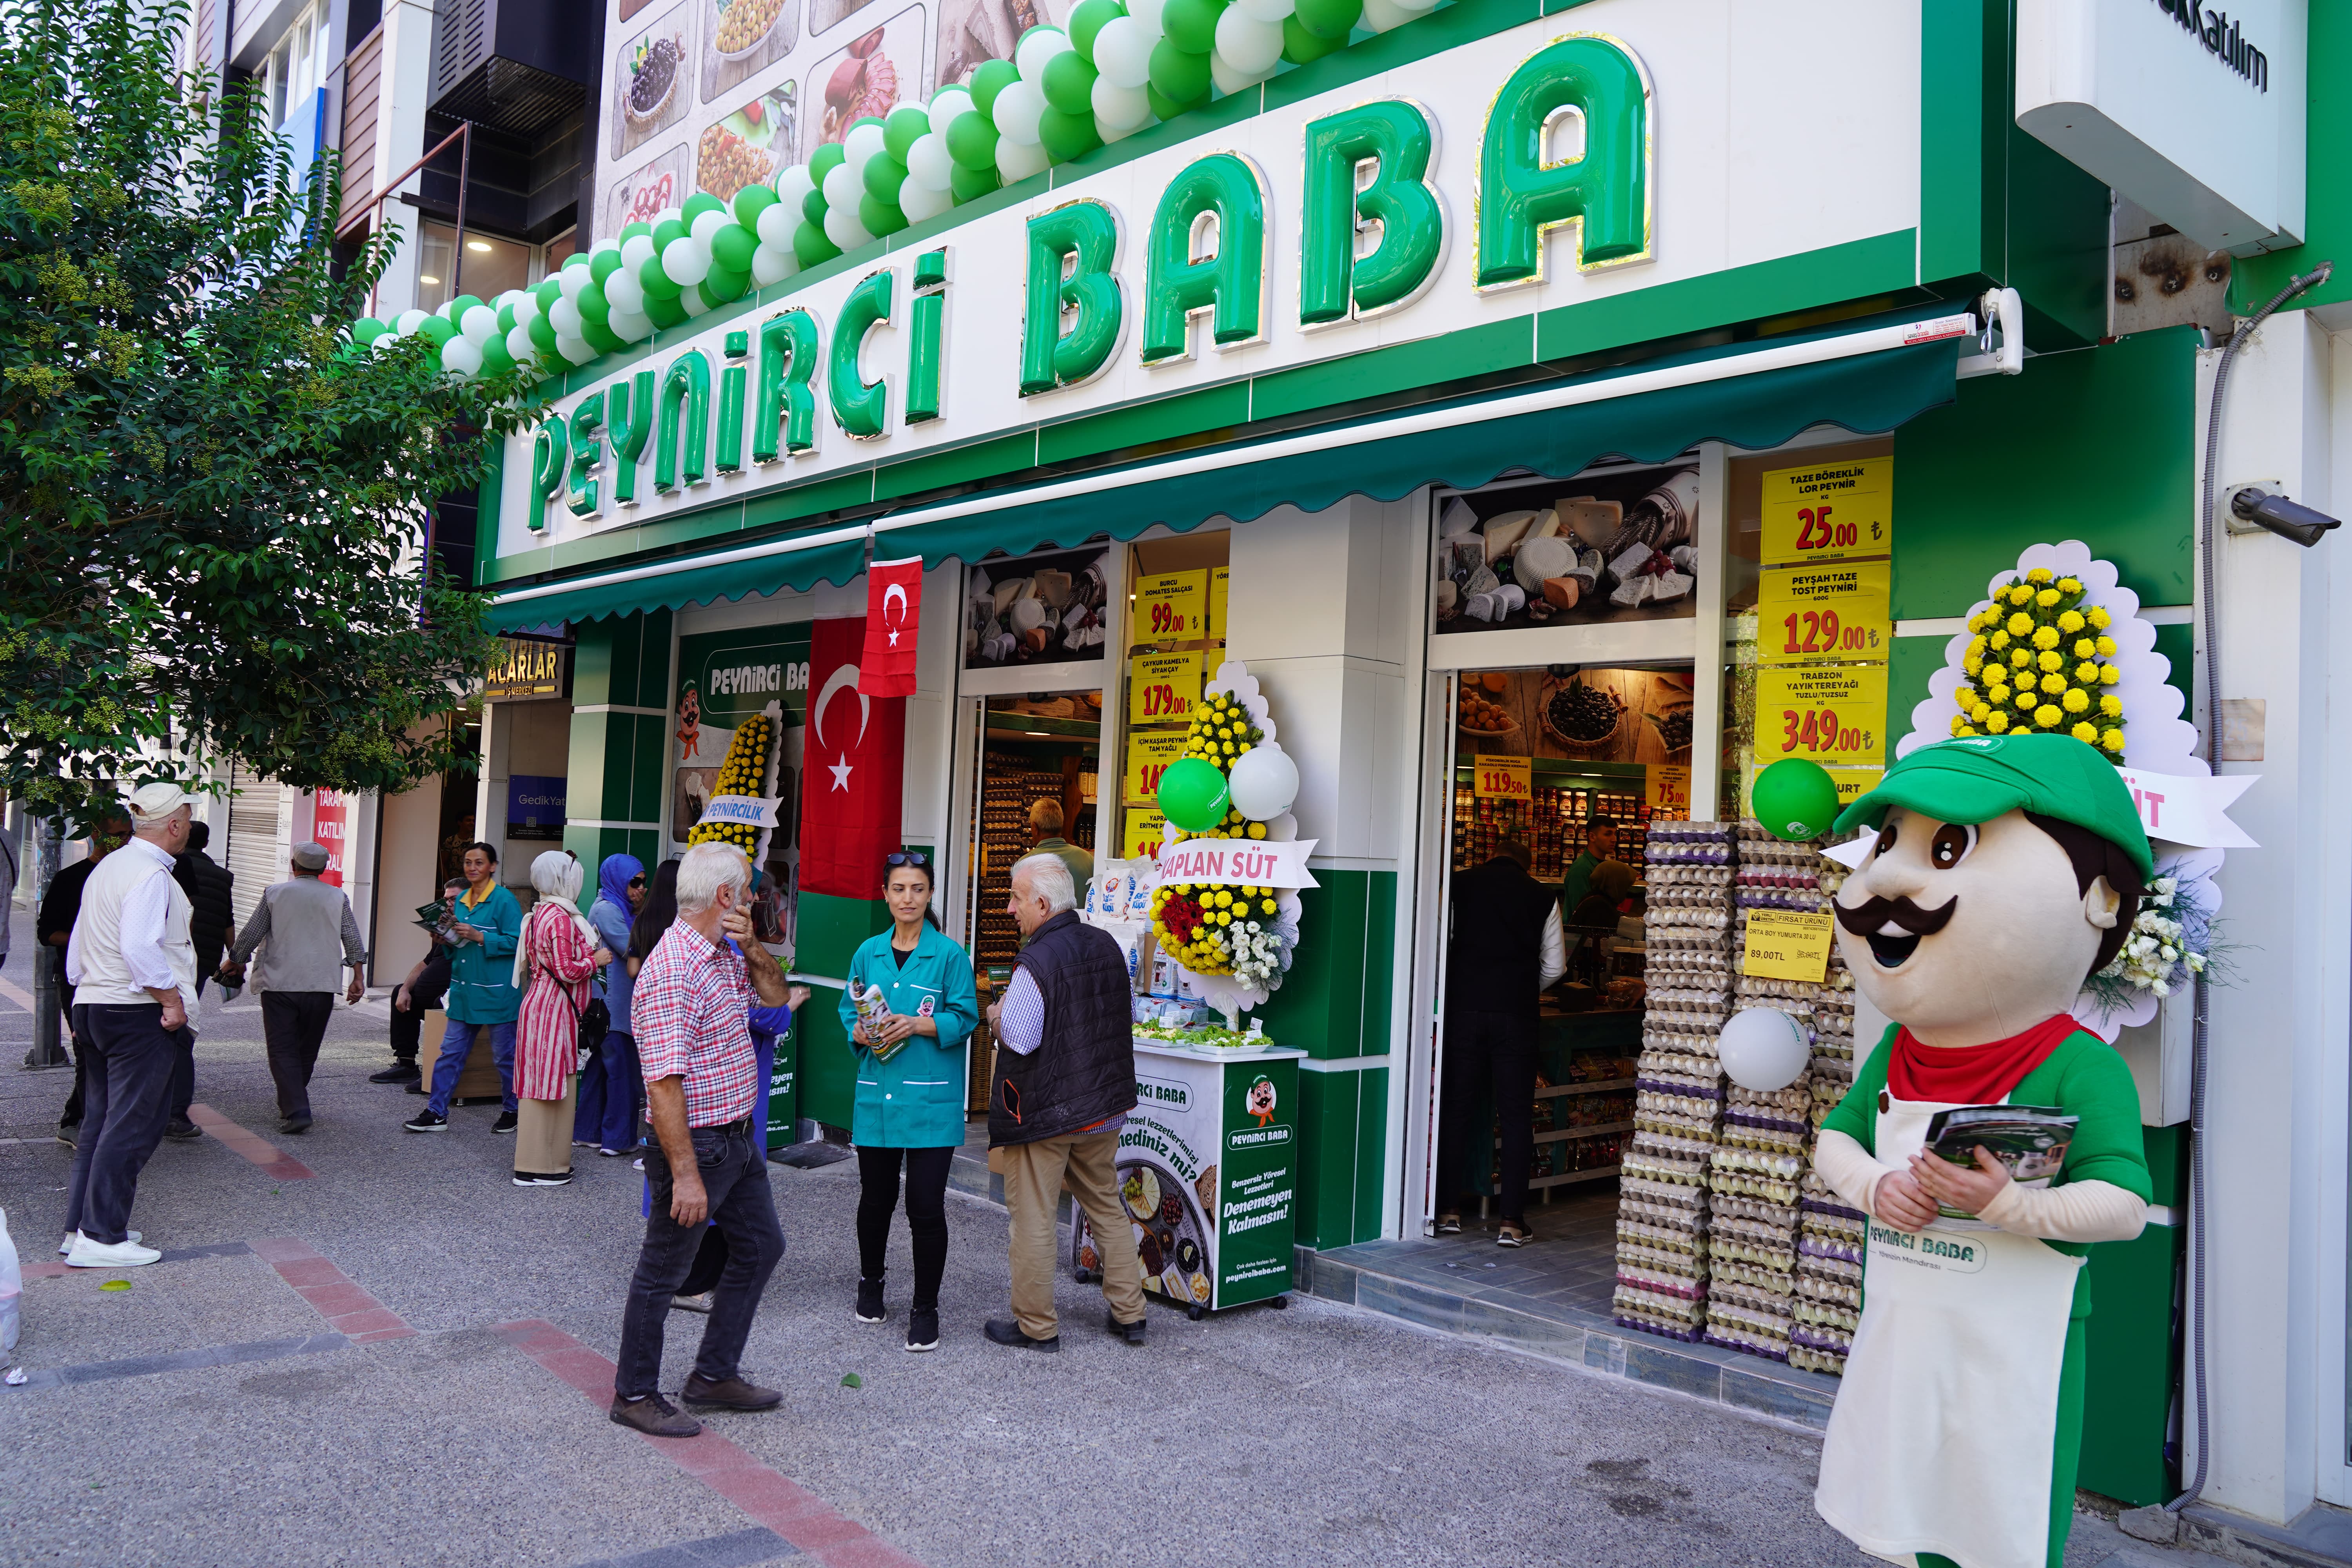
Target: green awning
<point>683,585</point>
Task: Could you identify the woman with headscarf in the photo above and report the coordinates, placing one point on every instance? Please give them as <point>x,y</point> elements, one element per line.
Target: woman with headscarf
<point>559,953</point>
<point>607,1119</point>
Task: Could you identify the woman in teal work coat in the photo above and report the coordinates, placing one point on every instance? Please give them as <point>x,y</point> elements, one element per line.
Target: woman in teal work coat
<point>485,923</point>
<point>910,1088</point>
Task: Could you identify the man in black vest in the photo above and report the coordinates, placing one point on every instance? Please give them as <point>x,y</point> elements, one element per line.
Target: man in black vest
<point>1065,1082</point>
<point>1506,949</point>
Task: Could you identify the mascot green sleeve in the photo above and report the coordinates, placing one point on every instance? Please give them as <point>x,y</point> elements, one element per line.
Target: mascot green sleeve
<point>2006,869</point>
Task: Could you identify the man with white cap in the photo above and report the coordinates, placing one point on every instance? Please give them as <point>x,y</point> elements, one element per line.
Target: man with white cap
<point>308,935</point>
<point>134,969</point>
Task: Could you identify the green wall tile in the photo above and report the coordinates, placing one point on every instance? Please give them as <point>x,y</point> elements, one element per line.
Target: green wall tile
<point>2178,644</point>
<point>646,775</point>
<point>828,930</point>
<point>1320,1007</point>
<point>1909,663</point>
<point>653,662</point>
<point>1327,1158</point>
<point>588,772</point>
<point>1371,1149</point>
<point>2131,1366</point>
<point>828,1081</point>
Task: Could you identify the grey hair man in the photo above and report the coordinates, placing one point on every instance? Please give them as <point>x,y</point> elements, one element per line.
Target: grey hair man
<point>1065,1082</point>
<point>307,936</point>
<point>691,1010</point>
<point>134,969</point>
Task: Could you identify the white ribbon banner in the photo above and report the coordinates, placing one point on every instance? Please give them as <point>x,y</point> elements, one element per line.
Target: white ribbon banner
<point>752,811</point>
<point>1238,862</point>
<point>2191,809</point>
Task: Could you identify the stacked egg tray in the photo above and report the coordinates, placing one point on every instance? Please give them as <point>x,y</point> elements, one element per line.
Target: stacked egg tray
<point>1662,1236</point>
<point>1828,1283</point>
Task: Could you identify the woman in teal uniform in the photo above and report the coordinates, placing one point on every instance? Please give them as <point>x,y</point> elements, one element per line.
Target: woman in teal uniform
<point>911,1074</point>
<point>487,923</point>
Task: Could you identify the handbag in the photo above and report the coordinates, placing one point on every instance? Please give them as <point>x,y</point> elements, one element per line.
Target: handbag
<point>593,1022</point>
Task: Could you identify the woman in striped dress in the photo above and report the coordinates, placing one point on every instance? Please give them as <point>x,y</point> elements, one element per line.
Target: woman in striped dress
<point>560,953</point>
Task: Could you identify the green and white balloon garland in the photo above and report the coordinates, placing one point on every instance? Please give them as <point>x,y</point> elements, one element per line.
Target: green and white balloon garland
<point>1115,70</point>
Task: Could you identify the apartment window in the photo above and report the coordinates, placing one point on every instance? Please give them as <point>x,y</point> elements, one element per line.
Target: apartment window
<point>492,266</point>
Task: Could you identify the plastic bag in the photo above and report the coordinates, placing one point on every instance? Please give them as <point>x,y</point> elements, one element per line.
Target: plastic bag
<point>12,1288</point>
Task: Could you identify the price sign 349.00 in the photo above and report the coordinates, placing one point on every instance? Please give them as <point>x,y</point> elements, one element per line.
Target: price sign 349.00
<point>1835,716</point>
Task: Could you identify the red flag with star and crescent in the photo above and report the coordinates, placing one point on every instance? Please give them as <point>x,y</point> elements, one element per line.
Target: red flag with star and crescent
<point>894,617</point>
<point>851,770</point>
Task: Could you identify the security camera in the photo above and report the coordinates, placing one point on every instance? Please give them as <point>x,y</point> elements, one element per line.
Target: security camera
<point>2253,507</point>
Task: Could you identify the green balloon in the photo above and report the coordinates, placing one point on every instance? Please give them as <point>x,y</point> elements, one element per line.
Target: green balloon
<point>592,304</point>
<point>1088,19</point>
<point>1167,108</point>
<point>456,309</point>
<point>732,248</point>
<point>600,337</point>
<point>722,285</point>
<point>1067,136</point>
<point>903,127</point>
<point>667,231</point>
<point>812,245</point>
<point>812,208</point>
<point>655,281</point>
<point>991,79</point>
<point>826,160</point>
<point>506,318</point>
<point>1069,83</point>
<point>880,216</point>
<point>1794,799</point>
<point>971,184</point>
<point>547,291</point>
<point>1192,25</point>
<point>699,202</point>
<point>1194,795</point>
<point>1300,46</point>
<point>542,332</point>
<point>1181,77</point>
<point>1329,18</point>
<point>750,203</point>
<point>437,327</point>
<point>884,174</point>
<point>662,311</point>
<point>367,329</point>
<point>496,361</point>
<point>972,142</point>
<point>604,262</point>
<point>630,231</point>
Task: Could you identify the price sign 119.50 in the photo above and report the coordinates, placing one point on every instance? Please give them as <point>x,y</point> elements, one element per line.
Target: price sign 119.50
<point>1501,778</point>
<point>1837,716</point>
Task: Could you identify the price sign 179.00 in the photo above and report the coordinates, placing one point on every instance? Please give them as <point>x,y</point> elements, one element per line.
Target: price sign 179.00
<point>1835,716</point>
<point>1162,689</point>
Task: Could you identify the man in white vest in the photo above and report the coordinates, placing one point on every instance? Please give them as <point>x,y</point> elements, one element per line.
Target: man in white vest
<point>133,968</point>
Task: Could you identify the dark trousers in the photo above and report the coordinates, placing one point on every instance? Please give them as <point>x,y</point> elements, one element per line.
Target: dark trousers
<point>608,1116</point>
<point>293,1023</point>
<point>208,957</point>
<point>734,1172</point>
<point>926,1214</point>
<point>184,1077</point>
<point>1495,1052</point>
<point>72,1035</point>
<point>408,1032</point>
<point>128,1088</point>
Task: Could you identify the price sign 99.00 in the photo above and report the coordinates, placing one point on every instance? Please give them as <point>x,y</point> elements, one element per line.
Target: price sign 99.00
<point>1502,778</point>
<point>1835,715</point>
<point>1172,607</point>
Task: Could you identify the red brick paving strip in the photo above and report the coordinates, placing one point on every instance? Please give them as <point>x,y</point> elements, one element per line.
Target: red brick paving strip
<point>349,1310</point>
<point>269,1156</point>
<point>766,1496</point>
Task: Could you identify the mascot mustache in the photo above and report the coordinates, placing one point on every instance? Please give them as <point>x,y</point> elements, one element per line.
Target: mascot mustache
<point>1893,927</point>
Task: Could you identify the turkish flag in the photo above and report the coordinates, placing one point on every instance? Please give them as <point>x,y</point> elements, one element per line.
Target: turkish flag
<point>852,775</point>
<point>894,617</point>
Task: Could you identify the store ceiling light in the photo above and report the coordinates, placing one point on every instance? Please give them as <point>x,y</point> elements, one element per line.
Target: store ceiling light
<point>481,244</point>
<point>421,278</point>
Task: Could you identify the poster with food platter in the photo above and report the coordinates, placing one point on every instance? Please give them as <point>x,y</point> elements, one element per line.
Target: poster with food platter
<point>1576,714</point>
<point>748,145</point>
<point>1208,1174</point>
<point>648,82</point>
<point>741,38</point>
<point>870,74</point>
<point>637,196</point>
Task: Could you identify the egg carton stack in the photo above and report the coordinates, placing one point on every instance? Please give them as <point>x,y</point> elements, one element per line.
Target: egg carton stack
<point>1829,1231</point>
<point>1662,1212</point>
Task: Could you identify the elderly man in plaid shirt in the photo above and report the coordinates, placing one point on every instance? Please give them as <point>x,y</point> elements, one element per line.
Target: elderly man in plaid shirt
<point>694,1047</point>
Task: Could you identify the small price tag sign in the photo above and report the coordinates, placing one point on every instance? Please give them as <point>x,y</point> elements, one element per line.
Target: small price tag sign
<point>1172,607</point>
<point>1789,944</point>
<point>1148,756</point>
<point>1665,791</point>
<point>1834,715</point>
<point>1139,834</point>
<point>1851,783</point>
<point>1805,613</point>
<point>1218,577</point>
<point>1502,778</point>
<point>1829,511</point>
<point>1163,688</point>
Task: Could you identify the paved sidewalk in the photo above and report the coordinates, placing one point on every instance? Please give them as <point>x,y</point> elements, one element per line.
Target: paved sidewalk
<point>398,1357</point>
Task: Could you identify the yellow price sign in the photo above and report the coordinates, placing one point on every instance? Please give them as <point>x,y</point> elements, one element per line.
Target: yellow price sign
<point>1829,511</point>
<point>1139,834</point>
<point>1163,688</point>
<point>1502,778</point>
<point>1833,715</point>
<point>1789,944</point>
<point>1834,611</point>
<point>1148,756</point>
<point>1172,607</point>
<point>1665,791</point>
<point>1218,577</point>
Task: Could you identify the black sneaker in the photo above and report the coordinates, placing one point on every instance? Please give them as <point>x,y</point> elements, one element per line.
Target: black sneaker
<point>922,1328</point>
<point>869,1301</point>
<point>296,1125</point>
<point>655,1416</point>
<point>427,1121</point>
<point>68,1132</point>
<point>543,1179</point>
<point>505,1124</point>
<point>180,1127</point>
<point>1005,1332</point>
<point>398,1072</point>
<point>417,1085</point>
<point>1131,1333</point>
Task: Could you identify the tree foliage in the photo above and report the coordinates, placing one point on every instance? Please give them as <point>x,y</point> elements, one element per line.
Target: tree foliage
<point>213,506</point>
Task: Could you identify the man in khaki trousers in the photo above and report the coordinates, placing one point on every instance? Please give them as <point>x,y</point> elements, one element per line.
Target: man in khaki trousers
<point>1064,1082</point>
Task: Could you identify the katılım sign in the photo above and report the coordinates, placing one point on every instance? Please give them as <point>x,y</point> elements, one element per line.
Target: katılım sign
<point>1566,162</point>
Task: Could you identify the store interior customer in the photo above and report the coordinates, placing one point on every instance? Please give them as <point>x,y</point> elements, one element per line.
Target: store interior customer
<point>1046,838</point>
<point>1599,847</point>
<point>910,1105</point>
<point>555,968</point>
<point>1506,949</point>
<point>485,925</point>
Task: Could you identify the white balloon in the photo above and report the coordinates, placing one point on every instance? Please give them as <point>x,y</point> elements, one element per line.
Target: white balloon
<point>842,227</point>
<point>1762,1048</point>
<point>1418,8</point>
<point>382,345</point>
<point>460,356</point>
<point>707,224</point>
<point>927,163</point>
<point>1385,15</point>
<point>772,264</point>
<point>623,292</point>
<point>1266,10</point>
<point>690,297</point>
<point>842,189</point>
<point>630,326</point>
<point>520,348</point>
<point>1016,161</point>
<point>1265,781</point>
<point>777,222</point>
<point>565,317</point>
<point>480,324</point>
<point>1126,107</point>
<point>506,297</point>
<point>1123,54</point>
<point>683,261</point>
<point>407,321</point>
<point>919,201</point>
<point>792,187</point>
<point>525,304</point>
<point>570,281</point>
<point>1147,14</point>
<point>1110,132</point>
<point>668,215</point>
<point>1229,79</point>
<point>949,105</point>
<point>861,144</point>
<point>1016,112</point>
<point>1037,46</point>
<point>1249,45</point>
<point>636,250</point>
<point>578,350</point>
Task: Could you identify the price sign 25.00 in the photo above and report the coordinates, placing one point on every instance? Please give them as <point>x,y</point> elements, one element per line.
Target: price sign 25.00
<point>1835,716</point>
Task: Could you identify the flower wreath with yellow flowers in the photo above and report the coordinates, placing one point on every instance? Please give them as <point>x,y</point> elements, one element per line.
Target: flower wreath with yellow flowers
<point>747,770</point>
<point>2038,659</point>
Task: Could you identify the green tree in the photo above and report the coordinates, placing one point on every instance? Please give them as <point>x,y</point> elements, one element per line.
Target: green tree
<point>213,506</point>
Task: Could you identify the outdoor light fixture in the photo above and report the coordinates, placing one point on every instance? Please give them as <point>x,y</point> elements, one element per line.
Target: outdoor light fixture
<point>2253,506</point>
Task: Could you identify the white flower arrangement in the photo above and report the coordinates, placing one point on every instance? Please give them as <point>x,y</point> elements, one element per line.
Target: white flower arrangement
<point>2160,953</point>
<point>1259,955</point>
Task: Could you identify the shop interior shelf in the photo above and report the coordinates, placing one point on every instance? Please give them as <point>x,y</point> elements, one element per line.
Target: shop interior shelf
<point>1559,1089</point>
<point>1037,727</point>
<point>1567,1133</point>
<point>1599,1173</point>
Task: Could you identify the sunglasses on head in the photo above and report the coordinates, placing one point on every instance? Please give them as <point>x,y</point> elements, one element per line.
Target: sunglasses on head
<point>908,858</point>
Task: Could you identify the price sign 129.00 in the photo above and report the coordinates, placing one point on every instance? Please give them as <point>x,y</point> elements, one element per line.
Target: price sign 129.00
<point>1835,716</point>
<point>1501,778</point>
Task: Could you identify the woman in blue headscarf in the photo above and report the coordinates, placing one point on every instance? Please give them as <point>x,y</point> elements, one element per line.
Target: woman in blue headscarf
<point>609,1089</point>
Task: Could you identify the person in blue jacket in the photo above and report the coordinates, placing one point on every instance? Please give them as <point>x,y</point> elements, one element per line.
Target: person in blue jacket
<point>909,1108</point>
<point>487,923</point>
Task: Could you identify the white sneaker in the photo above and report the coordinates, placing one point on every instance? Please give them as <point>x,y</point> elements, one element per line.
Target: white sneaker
<point>88,1254</point>
<point>67,1244</point>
